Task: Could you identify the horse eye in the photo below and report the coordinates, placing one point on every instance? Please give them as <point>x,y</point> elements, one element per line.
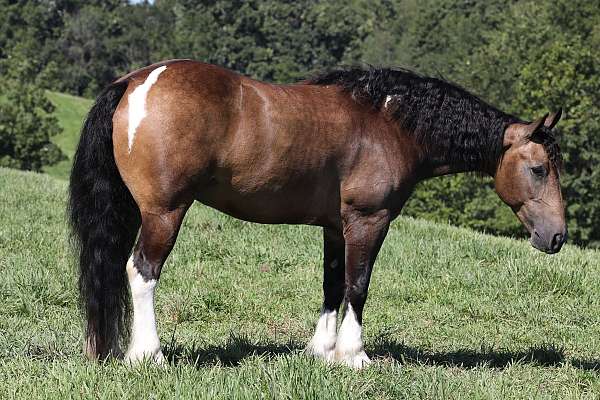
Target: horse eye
<point>539,171</point>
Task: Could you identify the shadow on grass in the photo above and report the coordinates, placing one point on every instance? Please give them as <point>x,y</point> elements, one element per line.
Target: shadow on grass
<point>237,348</point>
<point>231,353</point>
<point>544,356</point>
<point>587,365</point>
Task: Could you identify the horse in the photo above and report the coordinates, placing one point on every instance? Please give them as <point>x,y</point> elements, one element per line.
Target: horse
<point>342,150</point>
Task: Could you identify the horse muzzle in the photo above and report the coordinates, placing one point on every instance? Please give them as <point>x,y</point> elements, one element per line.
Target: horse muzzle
<point>549,241</point>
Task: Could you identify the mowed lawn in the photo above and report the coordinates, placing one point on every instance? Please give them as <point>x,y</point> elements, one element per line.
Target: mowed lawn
<point>451,313</point>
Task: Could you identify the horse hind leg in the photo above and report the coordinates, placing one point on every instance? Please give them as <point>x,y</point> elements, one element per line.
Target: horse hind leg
<point>322,344</point>
<point>156,240</point>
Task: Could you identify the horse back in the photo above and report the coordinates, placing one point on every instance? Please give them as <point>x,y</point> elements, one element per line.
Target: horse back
<point>257,151</point>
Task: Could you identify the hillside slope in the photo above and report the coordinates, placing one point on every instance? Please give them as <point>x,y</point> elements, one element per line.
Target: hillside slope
<point>70,112</point>
<point>451,313</point>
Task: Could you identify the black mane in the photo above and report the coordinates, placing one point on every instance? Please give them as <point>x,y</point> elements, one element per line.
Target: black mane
<point>456,126</point>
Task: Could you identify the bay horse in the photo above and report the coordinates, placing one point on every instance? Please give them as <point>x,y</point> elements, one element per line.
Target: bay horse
<point>342,151</point>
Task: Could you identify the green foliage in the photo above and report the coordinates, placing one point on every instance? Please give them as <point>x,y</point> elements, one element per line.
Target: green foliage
<point>90,49</point>
<point>26,128</point>
<point>26,123</point>
<point>272,40</point>
<point>464,200</point>
<point>85,48</point>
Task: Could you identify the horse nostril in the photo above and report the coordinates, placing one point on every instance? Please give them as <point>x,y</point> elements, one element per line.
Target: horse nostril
<point>557,242</point>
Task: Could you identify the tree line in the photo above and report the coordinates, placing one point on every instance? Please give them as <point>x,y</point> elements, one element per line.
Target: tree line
<point>526,57</point>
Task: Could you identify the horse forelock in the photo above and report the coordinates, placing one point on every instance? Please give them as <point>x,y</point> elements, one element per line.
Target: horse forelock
<point>545,137</point>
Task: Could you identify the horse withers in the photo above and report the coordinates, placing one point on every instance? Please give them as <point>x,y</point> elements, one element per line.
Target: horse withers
<point>342,150</point>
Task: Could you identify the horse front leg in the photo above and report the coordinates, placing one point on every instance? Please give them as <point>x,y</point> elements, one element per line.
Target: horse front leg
<point>157,237</point>
<point>322,344</point>
<point>363,235</point>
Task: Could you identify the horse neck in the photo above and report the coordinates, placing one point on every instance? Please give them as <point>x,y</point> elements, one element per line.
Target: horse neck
<point>464,153</point>
<point>438,167</point>
<point>447,169</point>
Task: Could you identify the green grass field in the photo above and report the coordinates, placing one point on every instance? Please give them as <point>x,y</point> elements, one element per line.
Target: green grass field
<point>70,112</point>
<point>451,313</point>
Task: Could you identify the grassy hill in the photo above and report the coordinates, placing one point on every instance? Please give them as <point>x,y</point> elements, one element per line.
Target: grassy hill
<point>451,313</point>
<point>70,112</point>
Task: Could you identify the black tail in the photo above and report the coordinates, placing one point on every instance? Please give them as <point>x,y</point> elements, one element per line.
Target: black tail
<point>104,220</point>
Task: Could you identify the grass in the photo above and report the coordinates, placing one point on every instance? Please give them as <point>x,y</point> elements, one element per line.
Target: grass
<point>70,112</point>
<point>451,313</point>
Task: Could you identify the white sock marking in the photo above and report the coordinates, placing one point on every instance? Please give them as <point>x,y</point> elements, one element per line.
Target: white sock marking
<point>144,337</point>
<point>322,343</point>
<point>137,103</point>
<point>349,346</point>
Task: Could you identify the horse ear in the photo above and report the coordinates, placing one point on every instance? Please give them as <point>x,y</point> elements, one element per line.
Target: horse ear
<point>533,127</point>
<point>552,119</point>
<point>519,133</point>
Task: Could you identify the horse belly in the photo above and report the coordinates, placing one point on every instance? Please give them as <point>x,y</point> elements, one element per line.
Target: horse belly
<point>296,203</point>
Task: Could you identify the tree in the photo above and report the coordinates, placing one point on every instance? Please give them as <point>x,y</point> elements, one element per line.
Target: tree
<point>26,123</point>
<point>92,54</point>
<point>270,40</point>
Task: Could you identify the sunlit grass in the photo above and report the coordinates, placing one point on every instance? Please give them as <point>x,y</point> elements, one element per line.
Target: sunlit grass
<point>451,313</point>
<point>70,112</point>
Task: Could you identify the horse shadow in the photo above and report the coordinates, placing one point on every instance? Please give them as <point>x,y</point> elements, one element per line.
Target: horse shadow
<point>545,355</point>
<point>238,348</point>
<point>231,353</point>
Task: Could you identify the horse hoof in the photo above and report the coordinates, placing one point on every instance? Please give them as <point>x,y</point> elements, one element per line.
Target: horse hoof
<point>355,361</point>
<point>136,357</point>
<point>324,351</point>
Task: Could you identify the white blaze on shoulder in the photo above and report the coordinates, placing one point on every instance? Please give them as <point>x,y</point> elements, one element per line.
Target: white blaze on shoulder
<point>349,346</point>
<point>322,344</point>
<point>144,337</point>
<point>137,103</point>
